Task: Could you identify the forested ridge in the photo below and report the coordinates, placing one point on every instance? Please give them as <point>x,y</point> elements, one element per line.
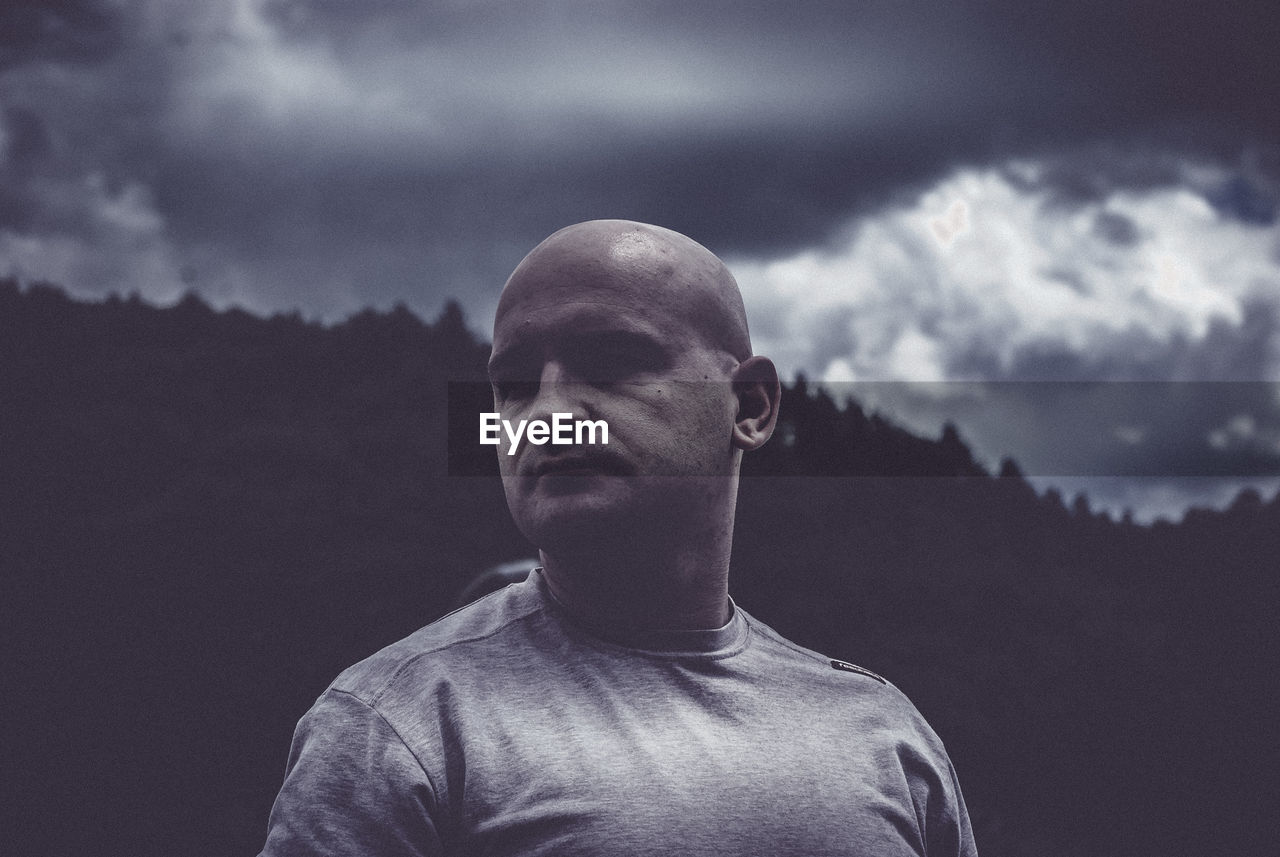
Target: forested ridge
<point>204,516</point>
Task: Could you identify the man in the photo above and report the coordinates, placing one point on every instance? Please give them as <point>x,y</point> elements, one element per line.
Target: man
<point>618,702</point>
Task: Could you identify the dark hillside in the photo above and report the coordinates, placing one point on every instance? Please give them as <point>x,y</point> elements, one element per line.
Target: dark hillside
<point>205,516</point>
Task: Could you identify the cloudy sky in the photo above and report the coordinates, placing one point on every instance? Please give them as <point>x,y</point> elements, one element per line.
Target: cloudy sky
<point>1004,191</point>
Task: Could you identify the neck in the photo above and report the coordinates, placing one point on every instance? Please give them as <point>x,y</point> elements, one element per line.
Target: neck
<point>647,584</point>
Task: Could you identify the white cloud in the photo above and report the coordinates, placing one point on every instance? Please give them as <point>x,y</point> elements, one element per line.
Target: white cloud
<point>989,262</point>
<point>112,239</point>
<point>977,275</point>
<point>1242,432</point>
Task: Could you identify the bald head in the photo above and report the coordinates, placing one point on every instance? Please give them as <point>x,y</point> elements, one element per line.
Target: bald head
<point>642,329</point>
<point>620,262</point>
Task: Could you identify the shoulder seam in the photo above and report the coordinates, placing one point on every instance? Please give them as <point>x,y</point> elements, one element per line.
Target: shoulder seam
<point>408,661</point>
<point>774,636</point>
<point>768,633</point>
<point>435,792</point>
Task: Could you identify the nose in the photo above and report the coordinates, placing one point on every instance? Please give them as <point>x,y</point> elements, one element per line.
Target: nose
<point>557,392</point>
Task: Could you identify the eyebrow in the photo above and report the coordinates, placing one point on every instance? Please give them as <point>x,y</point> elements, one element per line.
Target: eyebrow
<point>505,362</point>
<point>511,359</point>
<point>612,337</point>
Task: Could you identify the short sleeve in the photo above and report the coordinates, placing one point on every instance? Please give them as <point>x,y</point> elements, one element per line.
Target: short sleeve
<point>942,819</point>
<point>940,807</point>
<point>351,787</point>
<point>952,833</point>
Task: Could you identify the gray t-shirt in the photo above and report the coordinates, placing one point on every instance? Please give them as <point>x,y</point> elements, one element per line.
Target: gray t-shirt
<point>511,727</point>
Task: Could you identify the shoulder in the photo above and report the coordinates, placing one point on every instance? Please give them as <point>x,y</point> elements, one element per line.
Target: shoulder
<point>803,658</point>
<point>486,624</point>
<point>839,683</point>
<point>858,702</point>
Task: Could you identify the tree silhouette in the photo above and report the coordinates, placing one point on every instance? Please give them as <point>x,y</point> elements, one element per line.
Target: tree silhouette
<point>206,515</point>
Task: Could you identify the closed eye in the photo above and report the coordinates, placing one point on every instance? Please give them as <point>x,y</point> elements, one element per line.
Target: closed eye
<point>615,357</point>
<point>513,375</point>
<point>592,357</point>
<point>513,389</point>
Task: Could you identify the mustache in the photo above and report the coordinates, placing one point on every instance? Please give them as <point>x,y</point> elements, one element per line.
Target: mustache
<point>602,461</point>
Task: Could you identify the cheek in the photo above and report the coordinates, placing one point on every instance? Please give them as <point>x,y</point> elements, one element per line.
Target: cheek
<point>671,428</point>
<point>699,431</point>
<point>709,411</point>
<point>506,463</point>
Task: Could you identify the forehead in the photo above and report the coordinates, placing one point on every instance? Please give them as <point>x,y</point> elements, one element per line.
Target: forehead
<point>627,289</point>
<point>578,328</point>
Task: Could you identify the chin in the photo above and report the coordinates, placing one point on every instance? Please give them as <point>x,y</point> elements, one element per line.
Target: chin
<point>557,514</point>
<point>573,512</point>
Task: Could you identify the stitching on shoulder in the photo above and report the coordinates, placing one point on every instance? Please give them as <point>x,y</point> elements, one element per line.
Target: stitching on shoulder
<point>459,609</point>
<point>435,792</point>
<point>769,633</point>
<point>411,659</point>
<point>774,636</point>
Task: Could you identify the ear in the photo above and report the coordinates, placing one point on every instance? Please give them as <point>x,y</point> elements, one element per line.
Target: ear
<point>755,383</point>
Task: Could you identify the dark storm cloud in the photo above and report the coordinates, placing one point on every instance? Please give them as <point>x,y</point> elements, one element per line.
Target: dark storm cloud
<point>1165,430</point>
<point>730,122</point>
<point>58,30</point>
<point>1100,63</point>
<point>1152,62</point>
<point>1114,168</point>
<point>755,127</point>
<point>966,81</point>
<point>326,154</point>
<point>1076,175</point>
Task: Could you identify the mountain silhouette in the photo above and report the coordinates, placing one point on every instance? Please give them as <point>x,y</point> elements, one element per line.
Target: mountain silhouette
<point>205,516</point>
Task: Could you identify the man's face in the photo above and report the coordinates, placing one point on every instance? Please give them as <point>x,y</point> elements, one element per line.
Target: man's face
<point>605,337</point>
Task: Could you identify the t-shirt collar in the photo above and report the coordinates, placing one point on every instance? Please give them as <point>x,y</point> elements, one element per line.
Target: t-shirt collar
<point>667,641</point>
